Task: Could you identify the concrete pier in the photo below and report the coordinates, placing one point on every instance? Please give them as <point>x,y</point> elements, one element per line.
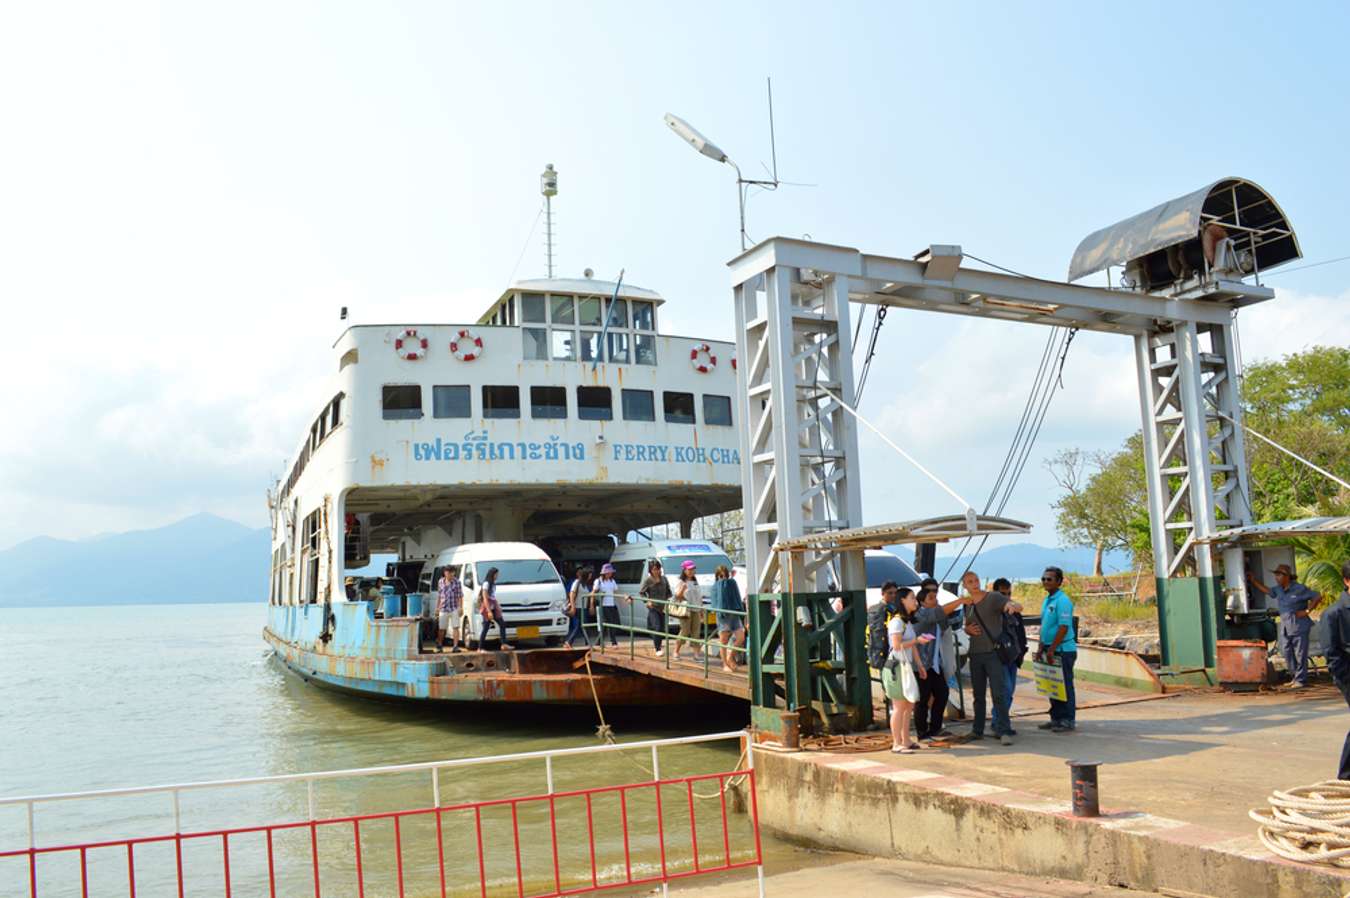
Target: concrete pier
<point>1178,776</point>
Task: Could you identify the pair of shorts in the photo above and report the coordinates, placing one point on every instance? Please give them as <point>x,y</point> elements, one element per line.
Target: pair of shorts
<point>447,619</point>
<point>728,623</point>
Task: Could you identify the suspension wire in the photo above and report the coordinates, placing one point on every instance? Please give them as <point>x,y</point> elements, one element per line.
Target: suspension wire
<point>523,249</point>
<point>871,351</point>
<point>1306,267</point>
<point>1047,388</point>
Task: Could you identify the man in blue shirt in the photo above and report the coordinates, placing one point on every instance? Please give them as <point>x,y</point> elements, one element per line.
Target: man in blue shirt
<point>1295,602</point>
<point>1335,640</point>
<point>1057,639</point>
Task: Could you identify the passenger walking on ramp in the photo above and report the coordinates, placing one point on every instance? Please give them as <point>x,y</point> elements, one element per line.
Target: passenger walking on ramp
<point>490,609</point>
<point>656,589</point>
<point>449,597</point>
<point>1335,639</point>
<point>1296,603</point>
<point>609,605</point>
<point>578,601</point>
<point>1057,638</point>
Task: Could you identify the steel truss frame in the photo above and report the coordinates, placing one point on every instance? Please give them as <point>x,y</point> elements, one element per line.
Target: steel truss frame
<point>800,449</point>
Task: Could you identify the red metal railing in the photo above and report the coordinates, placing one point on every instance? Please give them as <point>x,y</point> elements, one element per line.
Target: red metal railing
<point>597,881</point>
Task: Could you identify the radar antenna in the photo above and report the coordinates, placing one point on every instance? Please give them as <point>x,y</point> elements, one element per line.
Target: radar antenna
<point>548,186</point>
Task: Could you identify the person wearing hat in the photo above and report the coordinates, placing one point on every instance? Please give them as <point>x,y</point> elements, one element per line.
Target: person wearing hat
<point>688,594</point>
<point>350,586</point>
<point>1295,602</point>
<point>609,605</point>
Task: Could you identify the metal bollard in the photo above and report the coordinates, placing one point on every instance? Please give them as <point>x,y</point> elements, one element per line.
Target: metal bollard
<point>1083,782</point>
<point>791,729</point>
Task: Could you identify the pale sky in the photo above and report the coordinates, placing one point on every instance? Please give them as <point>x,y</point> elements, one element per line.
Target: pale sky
<point>188,193</point>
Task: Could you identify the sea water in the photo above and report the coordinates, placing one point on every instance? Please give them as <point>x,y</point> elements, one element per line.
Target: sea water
<point>110,697</point>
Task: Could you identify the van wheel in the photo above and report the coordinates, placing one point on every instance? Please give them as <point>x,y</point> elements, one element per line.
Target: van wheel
<point>553,641</point>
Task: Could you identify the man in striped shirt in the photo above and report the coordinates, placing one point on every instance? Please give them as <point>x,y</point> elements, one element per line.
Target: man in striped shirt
<point>450,597</point>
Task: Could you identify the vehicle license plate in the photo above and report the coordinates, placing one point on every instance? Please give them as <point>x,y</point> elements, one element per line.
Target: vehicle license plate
<point>527,632</point>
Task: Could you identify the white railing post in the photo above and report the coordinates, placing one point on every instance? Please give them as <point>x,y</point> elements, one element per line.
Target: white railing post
<point>309,783</point>
<point>32,858</point>
<point>656,777</point>
<point>436,787</point>
<point>750,781</point>
<point>548,772</point>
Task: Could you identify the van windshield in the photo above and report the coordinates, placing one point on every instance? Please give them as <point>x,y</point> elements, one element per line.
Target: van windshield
<point>519,572</point>
<point>881,568</point>
<point>703,564</point>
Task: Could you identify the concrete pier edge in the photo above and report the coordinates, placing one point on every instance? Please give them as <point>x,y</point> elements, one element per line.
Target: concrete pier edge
<point>852,803</point>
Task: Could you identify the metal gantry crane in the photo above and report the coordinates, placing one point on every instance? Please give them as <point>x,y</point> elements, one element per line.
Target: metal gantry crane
<point>1185,267</point>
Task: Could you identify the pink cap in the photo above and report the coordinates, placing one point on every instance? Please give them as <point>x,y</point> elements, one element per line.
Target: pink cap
<point>688,566</point>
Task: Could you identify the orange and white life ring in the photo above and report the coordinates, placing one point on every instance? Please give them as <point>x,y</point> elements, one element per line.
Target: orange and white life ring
<point>466,346</point>
<point>695,360</point>
<point>409,346</point>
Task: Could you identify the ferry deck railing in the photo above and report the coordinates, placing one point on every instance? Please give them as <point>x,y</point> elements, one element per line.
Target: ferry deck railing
<point>704,646</point>
<point>598,881</point>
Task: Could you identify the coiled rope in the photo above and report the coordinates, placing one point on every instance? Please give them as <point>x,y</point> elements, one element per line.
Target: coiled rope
<point>1309,824</point>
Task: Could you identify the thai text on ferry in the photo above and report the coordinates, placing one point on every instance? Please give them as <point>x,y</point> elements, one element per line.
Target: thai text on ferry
<point>479,446</point>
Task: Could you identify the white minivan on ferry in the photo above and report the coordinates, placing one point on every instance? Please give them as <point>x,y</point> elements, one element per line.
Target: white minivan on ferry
<point>630,568</point>
<point>528,587</point>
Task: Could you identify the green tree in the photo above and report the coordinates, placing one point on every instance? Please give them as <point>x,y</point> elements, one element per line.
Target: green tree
<point>1301,401</point>
<point>1103,495</point>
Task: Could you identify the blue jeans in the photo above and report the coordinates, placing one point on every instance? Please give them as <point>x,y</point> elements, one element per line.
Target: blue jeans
<point>576,628</point>
<point>1063,712</point>
<point>987,670</point>
<point>1294,633</point>
<point>1010,688</point>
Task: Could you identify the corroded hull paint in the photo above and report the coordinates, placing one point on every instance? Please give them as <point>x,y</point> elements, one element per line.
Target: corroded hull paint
<point>544,677</point>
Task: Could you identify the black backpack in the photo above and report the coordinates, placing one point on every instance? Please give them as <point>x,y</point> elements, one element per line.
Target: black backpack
<point>878,641</point>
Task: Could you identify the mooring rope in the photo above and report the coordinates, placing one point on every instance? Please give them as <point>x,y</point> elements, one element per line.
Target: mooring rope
<point>605,733</point>
<point>1309,824</point>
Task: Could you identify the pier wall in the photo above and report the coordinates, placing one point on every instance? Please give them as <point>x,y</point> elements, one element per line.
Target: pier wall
<point>850,803</point>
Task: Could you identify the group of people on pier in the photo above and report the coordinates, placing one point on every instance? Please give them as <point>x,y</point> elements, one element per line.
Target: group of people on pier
<point>914,672</point>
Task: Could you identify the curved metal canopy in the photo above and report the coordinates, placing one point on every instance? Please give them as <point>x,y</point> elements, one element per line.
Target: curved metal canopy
<point>1238,204</point>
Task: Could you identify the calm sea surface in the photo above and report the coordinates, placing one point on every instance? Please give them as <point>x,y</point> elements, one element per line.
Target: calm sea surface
<point>96,698</point>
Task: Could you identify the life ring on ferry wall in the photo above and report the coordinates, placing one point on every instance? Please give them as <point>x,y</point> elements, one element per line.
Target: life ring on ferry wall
<point>702,349</point>
<point>409,346</point>
<point>467,345</point>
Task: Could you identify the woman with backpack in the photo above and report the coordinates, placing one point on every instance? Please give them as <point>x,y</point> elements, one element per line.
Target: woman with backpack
<point>899,677</point>
<point>578,601</point>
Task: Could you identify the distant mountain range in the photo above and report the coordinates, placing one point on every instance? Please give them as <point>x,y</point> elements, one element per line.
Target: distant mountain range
<point>199,559</point>
<point>205,558</point>
<point>1021,561</point>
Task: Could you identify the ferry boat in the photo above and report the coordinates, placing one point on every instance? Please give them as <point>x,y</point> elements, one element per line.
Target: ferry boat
<point>562,416</point>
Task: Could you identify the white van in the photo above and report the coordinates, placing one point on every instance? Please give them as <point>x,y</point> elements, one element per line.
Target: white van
<point>630,569</point>
<point>528,587</point>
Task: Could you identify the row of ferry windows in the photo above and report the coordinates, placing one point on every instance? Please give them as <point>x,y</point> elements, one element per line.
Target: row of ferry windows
<point>404,401</point>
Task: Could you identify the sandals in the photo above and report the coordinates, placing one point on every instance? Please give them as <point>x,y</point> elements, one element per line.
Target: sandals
<point>903,749</point>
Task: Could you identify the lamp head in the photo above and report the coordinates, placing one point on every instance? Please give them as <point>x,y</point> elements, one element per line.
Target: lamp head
<point>690,135</point>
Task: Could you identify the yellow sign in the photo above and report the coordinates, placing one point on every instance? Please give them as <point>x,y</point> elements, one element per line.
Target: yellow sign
<point>1049,681</point>
<point>527,632</point>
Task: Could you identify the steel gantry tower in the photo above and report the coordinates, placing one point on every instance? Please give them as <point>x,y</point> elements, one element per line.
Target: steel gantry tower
<point>1185,267</point>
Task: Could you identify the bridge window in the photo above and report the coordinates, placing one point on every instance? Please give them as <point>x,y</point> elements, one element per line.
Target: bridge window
<point>618,348</point>
<point>644,349</point>
<point>532,307</point>
<point>595,404</point>
<point>717,410</point>
<point>451,402</point>
<point>535,344</point>
<point>639,405</point>
<point>562,310</point>
<point>547,402</point>
<point>588,311</point>
<point>564,346</point>
<point>590,346</point>
<point>401,402</point>
<point>644,315</point>
<point>501,402</point>
<point>336,416</point>
<point>617,311</point>
<point>679,407</point>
